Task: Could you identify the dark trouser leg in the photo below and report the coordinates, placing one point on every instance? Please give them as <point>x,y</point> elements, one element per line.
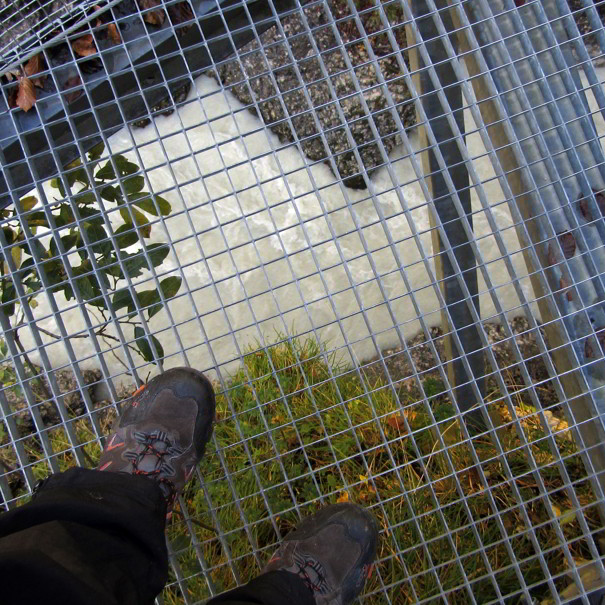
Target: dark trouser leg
<point>273,588</point>
<point>87,537</point>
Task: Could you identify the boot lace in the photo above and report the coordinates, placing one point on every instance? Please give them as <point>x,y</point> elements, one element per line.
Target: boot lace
<point>152,459</point>
<point>311,572</point>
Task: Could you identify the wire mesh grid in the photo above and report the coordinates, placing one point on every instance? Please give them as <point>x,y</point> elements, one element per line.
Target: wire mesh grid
<point>278,232</point>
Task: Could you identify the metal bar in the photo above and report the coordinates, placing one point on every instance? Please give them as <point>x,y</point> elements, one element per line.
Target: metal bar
<point>463,322</point>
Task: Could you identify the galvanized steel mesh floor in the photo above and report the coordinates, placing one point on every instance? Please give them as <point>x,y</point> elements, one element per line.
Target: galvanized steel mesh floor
<point>300,233</point>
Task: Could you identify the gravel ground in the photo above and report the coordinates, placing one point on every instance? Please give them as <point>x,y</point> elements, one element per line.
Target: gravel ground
<point>289,65</point>
<point>400,370</point>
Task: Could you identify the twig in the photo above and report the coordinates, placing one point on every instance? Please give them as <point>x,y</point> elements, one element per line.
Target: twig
<point>208,527</point>
<point>32,367</point>
<point>58,337</point>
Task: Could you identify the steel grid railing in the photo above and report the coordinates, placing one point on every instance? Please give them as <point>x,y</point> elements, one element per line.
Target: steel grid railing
<point>333,320</point>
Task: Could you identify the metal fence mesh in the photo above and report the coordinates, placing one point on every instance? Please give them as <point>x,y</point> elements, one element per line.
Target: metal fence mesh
<point>278,232</point>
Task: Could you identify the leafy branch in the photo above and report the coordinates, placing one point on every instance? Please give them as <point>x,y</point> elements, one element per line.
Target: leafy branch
<point>105,262</point>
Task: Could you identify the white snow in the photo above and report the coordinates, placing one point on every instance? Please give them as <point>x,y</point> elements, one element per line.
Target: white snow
<point>286,215</point>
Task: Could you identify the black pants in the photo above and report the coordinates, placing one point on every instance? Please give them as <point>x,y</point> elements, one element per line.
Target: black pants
<point>91,538</point>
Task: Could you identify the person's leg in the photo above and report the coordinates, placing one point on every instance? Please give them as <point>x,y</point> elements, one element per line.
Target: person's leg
<point>86,537</point>
<point>271,588</point>
<point>92,537</point>
<point>324,561</point>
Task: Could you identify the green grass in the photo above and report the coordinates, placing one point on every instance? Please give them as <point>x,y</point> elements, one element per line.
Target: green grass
<point>298,429</point>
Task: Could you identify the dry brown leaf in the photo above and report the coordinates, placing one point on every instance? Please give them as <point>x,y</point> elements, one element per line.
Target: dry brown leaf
<point>568,244</point>
<point>585,209</point>
<point>552,254</point>
<point>397,423</point>
<point>114,33</point>
<point>156,17</point>
<point>34,66</point>
<point>84,46</point>
<point>564,284</point>
<point>344,497</point>
<point>181,13</point>
<point>71,83</point>
<point>26,96</point>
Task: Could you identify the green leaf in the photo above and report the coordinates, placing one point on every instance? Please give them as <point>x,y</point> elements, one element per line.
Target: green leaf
<point>3,348</point>
<point>133,264</point>
<point>97,151</point>
<point>86,288</point>
<point>126,236</point>
<point>134,184</point>
<point>123,165</point>
<point>144,346</point>
<point>139,218</point>
<point>106,173</point>
<point>151,298</point>
<point>91,215</point>
<point>78,175</point>
<point>109,193</point>
<point>8,297</point>
<point>157,253</point>
<point>170,286</point>
<point>9,234</point>
<point>86,198</point>
<point>54,272</point>
<point>28,202</point>
<point>37,219</point>
<point>27,266</point>
<point>147,204</point>
<point>121,299</point>
<point>98,238</point>
<point>68,241</point>
<point>33,243</point>
<point>17,254</point>
<point>151,301</point>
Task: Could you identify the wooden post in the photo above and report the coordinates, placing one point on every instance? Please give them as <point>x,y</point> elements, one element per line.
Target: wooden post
<point>586,421</point>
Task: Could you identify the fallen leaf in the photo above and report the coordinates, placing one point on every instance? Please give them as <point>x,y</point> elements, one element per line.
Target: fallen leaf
<point>568,244</point>
<point>567,516</point>
<point>556,509</point>
<point>84,46</point>
<point>114,33</point>
<point>344,497</point>
<point>34,66</point>
<point>26,97</point>
<point>181,13</point>
<point>564,284</point>
<point>72,83</point>
<point>397,423</point>
<point>588,352</point>
<point>153,17</point>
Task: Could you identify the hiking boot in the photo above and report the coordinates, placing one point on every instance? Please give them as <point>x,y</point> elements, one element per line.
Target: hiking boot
<point>163,430</point>
<point>332,552</point>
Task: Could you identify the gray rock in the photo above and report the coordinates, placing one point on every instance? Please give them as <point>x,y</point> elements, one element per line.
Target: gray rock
<point>312,97</point>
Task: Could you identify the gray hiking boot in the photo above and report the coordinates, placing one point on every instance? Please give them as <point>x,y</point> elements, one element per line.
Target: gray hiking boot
<point>163,431</point>
<point>332,552</point>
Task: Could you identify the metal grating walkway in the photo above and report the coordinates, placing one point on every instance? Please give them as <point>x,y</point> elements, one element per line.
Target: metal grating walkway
<point>376,226</point>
